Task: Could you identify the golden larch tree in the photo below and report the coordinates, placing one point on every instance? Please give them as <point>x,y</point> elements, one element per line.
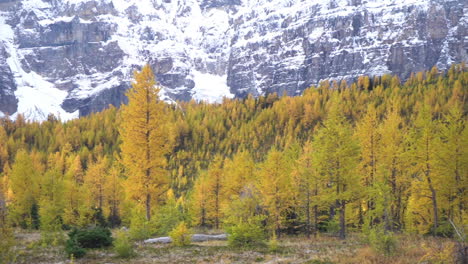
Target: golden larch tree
<point>336,154</point>
<point>145,141</point>
<point>275,188</point>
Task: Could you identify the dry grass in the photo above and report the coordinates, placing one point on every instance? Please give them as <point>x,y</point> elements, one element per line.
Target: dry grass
<point>321,250</point>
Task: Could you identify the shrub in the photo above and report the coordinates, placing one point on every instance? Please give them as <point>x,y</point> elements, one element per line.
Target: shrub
<point>333,226</point>
<point>181,235</point>
<point>246,234</point>
<point>51,227</point>
<point>123,245</point>
<point>96,237</point>
<point>98,217</point>
<point>273,245</point>
<point>74,249</point>
<point>80,239</point>
<point>140,228</point>
<point>445,229</point>
<point>167,218</point>
<point>382,242</point>
<point>7,244</point>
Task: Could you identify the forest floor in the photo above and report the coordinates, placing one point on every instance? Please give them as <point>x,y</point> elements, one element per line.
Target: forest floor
<point>321,250</point>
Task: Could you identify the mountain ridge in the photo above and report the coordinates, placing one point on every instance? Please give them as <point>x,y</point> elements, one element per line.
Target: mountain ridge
<point>78,56</point>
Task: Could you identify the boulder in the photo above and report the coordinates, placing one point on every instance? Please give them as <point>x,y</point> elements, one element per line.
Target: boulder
<point>203,238</point>
<point>195,238</point>
<point>159,240</point>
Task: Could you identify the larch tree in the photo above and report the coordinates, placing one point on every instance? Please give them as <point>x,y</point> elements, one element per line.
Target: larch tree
<point>210,195</point>
<point>423,153</point>
<point>24,184</point>
<point>145,141</point>
<point>275,189</point>
<point>216,190</point>
<point>51,204</point>
<point>239,172</point>
<point>74,194</point>
<point>241,204</point>
<point>369,141</point>
<point>307,184</point>
<point>336,152</point>
<point>391,168</point>
<point>94,181</point>
<point>200,200</point>
<point>452,162</point>
<point>113,194</point>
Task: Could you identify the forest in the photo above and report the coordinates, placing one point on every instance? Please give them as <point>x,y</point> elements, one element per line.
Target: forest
<point>377,156</point>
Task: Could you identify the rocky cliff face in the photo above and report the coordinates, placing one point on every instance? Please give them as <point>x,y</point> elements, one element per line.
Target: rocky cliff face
<point>73,57</point>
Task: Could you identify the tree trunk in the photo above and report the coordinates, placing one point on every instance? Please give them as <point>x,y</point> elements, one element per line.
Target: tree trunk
<point>436,215</point>
<point>203,221</point>
<point>278,227</point>
<point>315,220</point>
<point>148,207</point>
<point>387,216</point>
<point>431,187</point>
<point>308,214</point>
<point>316,212</point>
<point>342,220</point>
<point>217,202</point>
<point>395,220</point>
<point>148,156</point>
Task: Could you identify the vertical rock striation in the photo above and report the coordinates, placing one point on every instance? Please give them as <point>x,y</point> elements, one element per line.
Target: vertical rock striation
<point>74,57</point>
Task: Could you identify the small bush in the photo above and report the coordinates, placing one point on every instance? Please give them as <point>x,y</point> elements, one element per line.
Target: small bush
<point>181,235</point>
<point>440,253</point>
<point>167,218</point>
<point>80,239</point>
<point>333,226</point>
<point>73,249</point>
<point>98,217</point>
<point>140,227</point>
<point>7,245</point>
<point>96,237</point>
<point>273,244</point>
<point>123,245</point>
<point>445,229</point>
<point>382,242</point>
<point>246,234</point>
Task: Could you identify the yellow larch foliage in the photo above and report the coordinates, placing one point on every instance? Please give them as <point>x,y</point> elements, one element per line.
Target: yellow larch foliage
<point>145,141</point>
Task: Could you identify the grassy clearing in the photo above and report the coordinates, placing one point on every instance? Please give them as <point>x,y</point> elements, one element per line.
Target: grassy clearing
<point>321,250</point>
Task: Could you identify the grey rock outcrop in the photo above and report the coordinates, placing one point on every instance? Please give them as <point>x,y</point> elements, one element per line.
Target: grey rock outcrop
<point>194,238</point>
<point>159,240</point>
<point>87,50</point>
<point>8,101</point>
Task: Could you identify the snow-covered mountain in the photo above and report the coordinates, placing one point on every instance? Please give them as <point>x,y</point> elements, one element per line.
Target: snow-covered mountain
<point>73,57</point>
